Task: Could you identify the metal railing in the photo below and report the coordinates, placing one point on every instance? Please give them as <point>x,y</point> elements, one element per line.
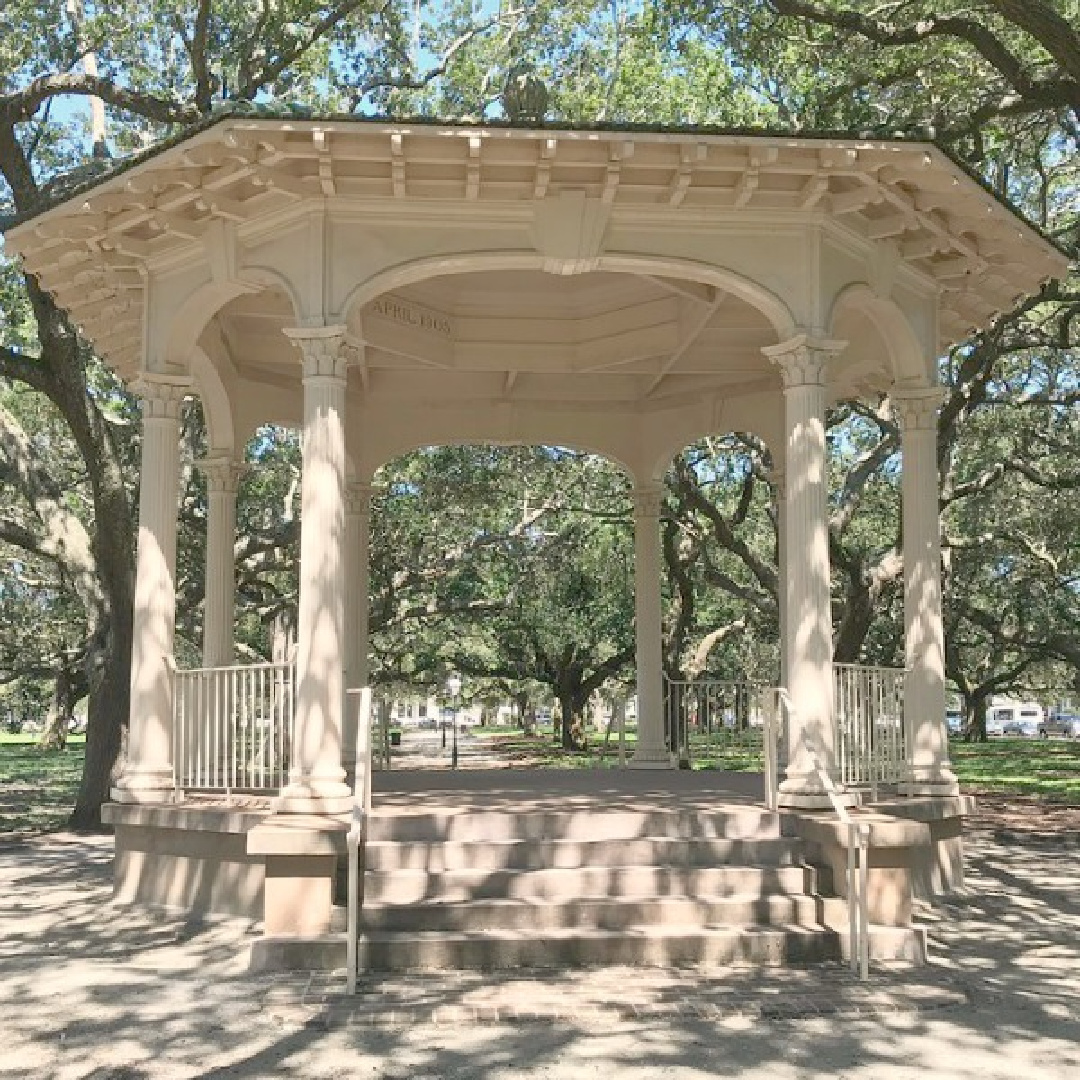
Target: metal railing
<point>356,840</point>
<point>233,727</point>
<point>871,745</point>
<point>857,840</point>
<point>716,721</point>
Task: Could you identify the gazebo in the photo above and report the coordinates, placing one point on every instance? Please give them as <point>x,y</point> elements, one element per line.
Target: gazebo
<point>386,285</point>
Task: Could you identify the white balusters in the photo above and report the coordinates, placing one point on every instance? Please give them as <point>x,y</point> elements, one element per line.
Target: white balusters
<point>233,727</point>
<point>870,745</point>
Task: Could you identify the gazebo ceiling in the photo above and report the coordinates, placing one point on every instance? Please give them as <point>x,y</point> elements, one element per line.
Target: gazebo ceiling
<point>623,337</point>
<point>641,336</point>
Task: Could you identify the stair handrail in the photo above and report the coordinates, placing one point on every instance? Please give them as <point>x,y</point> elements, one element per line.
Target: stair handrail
<point>857,840</point>
<point>356,838</point>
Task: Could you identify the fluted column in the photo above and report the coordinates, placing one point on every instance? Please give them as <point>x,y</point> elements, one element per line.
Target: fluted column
<point>924,637</point>
<point>316,778</point>
<point>651,750</point>
<point>807,615</point>
<point>148,772</point>
<point>357,598</point>
<point>779,480</point>
<point>222,480</point>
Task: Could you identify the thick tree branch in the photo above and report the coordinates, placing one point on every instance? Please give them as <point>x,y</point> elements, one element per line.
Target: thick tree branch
<point>1037,93</point>
<point>20,105</point>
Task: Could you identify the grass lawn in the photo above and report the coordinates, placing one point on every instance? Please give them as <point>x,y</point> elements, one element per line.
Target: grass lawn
<point>37,787</point>
<point>1046,767</point>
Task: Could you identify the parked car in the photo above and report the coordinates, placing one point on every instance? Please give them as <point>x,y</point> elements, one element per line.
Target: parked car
<point>1014,718</point>
<point>954,721</point>
<point>1066,725</point>
<point>1024,727</point>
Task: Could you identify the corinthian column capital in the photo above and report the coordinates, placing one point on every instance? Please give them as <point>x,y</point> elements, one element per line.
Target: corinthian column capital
<point>322,349</point>
<point>222,473</point>
<point>161,395</point>
<point>917,409</point>
<point>802,359</point>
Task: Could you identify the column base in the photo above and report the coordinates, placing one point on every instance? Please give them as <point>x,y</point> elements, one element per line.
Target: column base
<point>650,758</point>
<point>806,793</point>
<point>319,797</point>
<point>803,800</point>
<point>157,786</point>
<point>937,782</point>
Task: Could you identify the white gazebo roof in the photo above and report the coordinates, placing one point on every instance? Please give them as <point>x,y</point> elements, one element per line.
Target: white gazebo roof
<point>613,288</point>
<point>91,251</point>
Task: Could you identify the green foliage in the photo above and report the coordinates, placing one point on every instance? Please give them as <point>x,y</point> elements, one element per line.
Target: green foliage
<point>513,564</point>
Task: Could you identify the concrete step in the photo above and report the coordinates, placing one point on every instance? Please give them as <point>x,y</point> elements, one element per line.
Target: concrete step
<point>438,857</point>
<point>585,882</point>
<point>660,946</point>
<point>773,910</point>
<point>486,826</point>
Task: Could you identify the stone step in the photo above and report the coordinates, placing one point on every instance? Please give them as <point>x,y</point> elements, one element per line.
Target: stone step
<point>436,857</point>
<point>772,910</point>
<point>662,946</point>
<point>485,826</point>
<point>585,882</point>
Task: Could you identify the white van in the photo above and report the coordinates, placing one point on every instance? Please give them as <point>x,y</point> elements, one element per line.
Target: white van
<point>1006,717</point>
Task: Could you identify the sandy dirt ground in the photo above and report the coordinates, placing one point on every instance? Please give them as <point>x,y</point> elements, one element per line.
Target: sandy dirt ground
<point>91,990</point>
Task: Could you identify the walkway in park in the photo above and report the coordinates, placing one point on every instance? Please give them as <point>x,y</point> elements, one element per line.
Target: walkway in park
<point>94,992</point>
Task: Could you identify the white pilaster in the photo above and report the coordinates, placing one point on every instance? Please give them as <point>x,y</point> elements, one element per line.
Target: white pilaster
<point>222,480</point>
<point>651,751</point>
<point>807,614</point>
<point>148,771</point>
<point>357,598</point>
<point>924,637</point>
<point>316,779</point>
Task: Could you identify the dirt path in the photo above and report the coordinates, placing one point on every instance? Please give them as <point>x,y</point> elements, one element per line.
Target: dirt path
<point>89,991</point>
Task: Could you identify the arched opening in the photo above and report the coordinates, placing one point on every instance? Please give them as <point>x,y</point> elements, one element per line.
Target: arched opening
<point>502,598</point>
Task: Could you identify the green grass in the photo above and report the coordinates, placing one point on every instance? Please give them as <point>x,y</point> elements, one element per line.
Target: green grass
<point>37,787</point>
<point>1046,767</point>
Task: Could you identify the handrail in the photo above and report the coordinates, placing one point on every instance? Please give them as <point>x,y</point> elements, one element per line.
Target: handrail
<point>356,839</point>
<point>857,842</point>
<point>857,837</point>
<point>775,700</point>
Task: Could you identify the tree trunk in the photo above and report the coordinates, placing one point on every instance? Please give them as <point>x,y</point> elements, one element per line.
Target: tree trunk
<point>974,704</point>
<point>526,713</point>
<point>61,710</point>
<point>570,710</point>
<point>114,555</point>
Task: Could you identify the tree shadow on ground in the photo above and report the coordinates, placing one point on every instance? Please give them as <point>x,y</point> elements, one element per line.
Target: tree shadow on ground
<point>92,990</point>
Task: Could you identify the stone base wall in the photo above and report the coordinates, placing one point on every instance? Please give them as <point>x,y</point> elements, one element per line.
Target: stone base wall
<point>916,851</point>
<point>939,867</point>
<point>187,859</point>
